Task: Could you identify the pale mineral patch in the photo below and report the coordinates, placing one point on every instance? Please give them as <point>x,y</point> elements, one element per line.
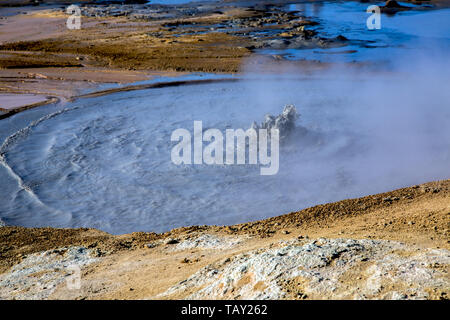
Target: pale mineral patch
<point>38,275</point>
<point>319,269</point>
<point>209,241</point>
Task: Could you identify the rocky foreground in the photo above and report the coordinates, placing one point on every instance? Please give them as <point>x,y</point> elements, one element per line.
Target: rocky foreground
<point>387,246</point>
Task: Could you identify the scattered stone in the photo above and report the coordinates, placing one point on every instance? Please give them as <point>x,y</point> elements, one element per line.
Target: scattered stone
<point>98,253</point>
<point>392,4</point>
<point>286,35</point>
<point>171,241</point>
<point>341,38</point>
<point>93,245</point>
<point>425,189</point>
<point>390,199</point>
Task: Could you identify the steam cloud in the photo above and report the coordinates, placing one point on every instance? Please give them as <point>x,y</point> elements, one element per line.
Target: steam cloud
<point>369,130</point>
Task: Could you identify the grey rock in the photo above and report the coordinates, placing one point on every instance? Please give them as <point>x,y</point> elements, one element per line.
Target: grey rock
<point>284,122</point>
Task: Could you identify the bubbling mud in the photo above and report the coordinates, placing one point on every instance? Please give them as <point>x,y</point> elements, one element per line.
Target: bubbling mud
<point>105,162</point>
<point>284,122</point>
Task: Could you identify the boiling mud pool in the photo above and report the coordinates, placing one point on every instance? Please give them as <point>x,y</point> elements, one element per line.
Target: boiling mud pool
<point>105,162</point>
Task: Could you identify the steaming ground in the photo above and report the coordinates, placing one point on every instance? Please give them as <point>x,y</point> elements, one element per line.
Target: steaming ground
<point>105,162</point>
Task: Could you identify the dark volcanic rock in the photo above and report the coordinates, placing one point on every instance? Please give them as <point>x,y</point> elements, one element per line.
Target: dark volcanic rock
<point>393,6</point>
